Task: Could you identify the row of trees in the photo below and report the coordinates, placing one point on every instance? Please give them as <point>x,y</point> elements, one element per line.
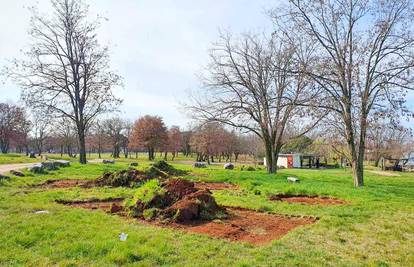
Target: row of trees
<point>41,133</point>
<point>343,63</point>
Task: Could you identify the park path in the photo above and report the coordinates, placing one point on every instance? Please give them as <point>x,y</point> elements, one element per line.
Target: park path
<point>5,168</point>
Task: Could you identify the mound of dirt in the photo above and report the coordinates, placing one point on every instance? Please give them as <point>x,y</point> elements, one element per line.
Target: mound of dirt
<point>164,167</point>
<point>305,199</point>
<point>175,200</point>
<point>127,178</point>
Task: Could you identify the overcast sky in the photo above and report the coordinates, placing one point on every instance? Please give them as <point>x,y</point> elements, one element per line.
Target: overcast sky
<point>157,46</point>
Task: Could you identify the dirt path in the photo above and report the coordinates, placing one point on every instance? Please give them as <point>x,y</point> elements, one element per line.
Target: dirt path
<point>5,168</point>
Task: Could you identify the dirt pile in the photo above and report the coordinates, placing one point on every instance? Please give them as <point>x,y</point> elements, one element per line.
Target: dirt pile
<point>174,200</point>
<point>305,199</point>
<point>166,168</point>
<point>127,178</point>
<point>132,177</point>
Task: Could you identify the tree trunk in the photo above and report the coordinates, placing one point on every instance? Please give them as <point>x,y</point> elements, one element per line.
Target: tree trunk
<point>82,146</point>
<point>270,159</point>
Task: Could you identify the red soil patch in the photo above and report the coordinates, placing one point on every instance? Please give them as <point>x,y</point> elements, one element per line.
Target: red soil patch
<point>242,225</point>
<point>65,183</point>
<point>304,199</point>
<point>215,186</point>
<point>106,204</point>
<point>249,226</point>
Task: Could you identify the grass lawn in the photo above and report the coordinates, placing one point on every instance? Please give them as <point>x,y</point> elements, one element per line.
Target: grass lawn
<point>12,158</point>
<point>375,228</point>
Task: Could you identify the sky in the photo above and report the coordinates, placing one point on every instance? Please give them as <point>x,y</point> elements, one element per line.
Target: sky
<point>159,47</point>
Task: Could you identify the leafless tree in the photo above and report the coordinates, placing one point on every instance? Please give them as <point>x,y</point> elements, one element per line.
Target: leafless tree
<point>114,128</point>
<point>363,60</point>
<point>41,126</point>
<point>13,122</point>
<point>128,126</point>
<point>65,132</point>
<point>387,139</point>
<point>66,71</point>
<point>252,84</point>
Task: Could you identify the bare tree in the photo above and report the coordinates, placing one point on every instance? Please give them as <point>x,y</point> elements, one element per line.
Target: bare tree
<point>13,122</point>
<point>66,71</point>
<point>98,137</point>
<point>41,126</point>
<point>128,126</point>
<point>65,132</point>
<point>363,60</point>
<point>387,139</point>
<point>251,84</point>
<point>175,141</point>
<point>114,128</point>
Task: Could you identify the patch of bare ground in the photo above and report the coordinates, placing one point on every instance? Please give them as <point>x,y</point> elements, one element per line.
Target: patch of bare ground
<point>66,183</point>
<point>108,205</point>
<point>242,225</point>
<point>215,186</point>
<point>305,199</point>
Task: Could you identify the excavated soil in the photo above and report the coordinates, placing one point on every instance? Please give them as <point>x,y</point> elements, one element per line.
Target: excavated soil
<point>304,199</point>
<point>66,183</point>
<point>242,225</point>
<point>249,226</point>
<point>94,204</point>
<point>215,186</point>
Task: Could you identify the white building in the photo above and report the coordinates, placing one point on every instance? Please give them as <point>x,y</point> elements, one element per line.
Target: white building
<point>293,160</point>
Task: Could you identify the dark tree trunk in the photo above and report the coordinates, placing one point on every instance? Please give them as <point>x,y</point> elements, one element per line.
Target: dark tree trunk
<point>82,146</point>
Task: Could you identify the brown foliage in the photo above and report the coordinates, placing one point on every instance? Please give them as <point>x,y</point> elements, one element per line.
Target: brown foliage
<point>149,132</point>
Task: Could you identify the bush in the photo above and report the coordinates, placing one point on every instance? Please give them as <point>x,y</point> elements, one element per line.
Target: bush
<point>250,168</point>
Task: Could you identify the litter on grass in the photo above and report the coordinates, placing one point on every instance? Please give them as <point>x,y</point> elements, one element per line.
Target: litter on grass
<point>41,212</point>
<point>123,236</point>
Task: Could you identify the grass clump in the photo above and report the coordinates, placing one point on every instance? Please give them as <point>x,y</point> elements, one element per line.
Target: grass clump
<point>149,196</point>
<point>127,178</point>
<point>164,167</point>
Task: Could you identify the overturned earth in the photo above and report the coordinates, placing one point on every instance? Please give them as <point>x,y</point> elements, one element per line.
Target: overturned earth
<point>173,200</point>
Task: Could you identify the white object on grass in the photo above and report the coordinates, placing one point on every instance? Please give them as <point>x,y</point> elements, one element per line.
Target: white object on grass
<point>293,179</point>
<point>41,212</point>
<point>123,236</point>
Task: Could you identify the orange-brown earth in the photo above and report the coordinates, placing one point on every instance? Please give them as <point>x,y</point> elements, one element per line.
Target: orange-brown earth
<point>65,183</point>
<point>242,225</point>
<point>304,199</point>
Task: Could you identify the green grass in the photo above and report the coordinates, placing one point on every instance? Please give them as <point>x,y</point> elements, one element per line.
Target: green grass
<point>12,158</point>
<point>376,228</point>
